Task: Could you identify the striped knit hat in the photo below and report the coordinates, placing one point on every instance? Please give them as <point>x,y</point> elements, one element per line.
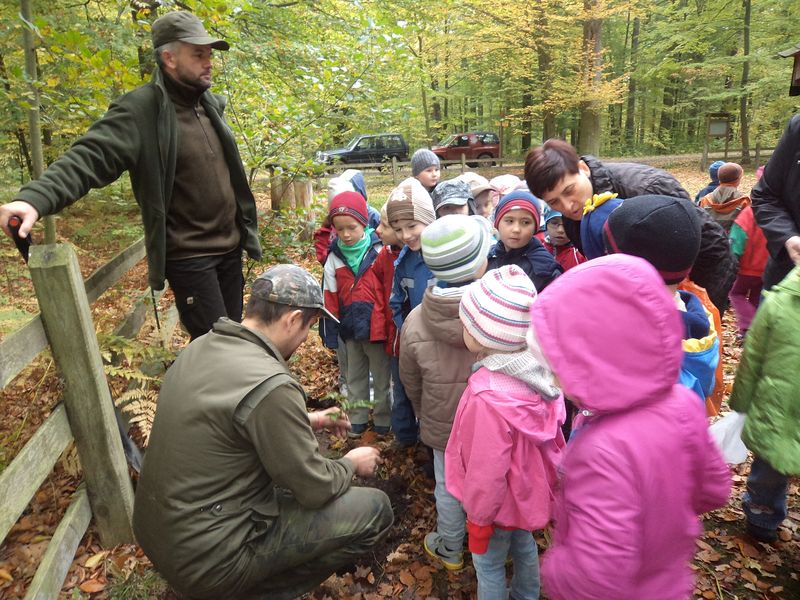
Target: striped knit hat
<point>410,200</point>
<point>351,204</point>
<point>495,310</point>
<point>454,247</point>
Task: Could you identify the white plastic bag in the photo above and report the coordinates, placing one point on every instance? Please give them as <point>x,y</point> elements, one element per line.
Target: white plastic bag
<point>727,433</point>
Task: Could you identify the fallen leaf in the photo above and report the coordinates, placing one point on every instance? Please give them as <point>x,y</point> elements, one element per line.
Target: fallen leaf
<point>6,575</point>
<point>92,586</point>
<point>95,560</point>
<point>785,535</point>
<point>709,594</point>
<point>749,576</point>
<point>407,578</point>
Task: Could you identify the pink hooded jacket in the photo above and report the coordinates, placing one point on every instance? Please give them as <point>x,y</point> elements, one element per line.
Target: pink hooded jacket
<point>641,465</point>
<point>503,451</point>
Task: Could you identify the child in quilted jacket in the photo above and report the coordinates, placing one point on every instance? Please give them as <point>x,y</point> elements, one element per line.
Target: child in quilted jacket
<point>767,389</point>
<point>506,441</point>
<point>354,295</point>
<point>640,465</point>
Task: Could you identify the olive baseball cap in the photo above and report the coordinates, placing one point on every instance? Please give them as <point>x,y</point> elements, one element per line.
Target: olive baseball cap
<point>183,26</point>
<point>291,285</point>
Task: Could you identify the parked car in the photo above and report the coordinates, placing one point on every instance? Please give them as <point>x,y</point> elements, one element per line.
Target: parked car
<point>476,144</point>
<point>367,149</point>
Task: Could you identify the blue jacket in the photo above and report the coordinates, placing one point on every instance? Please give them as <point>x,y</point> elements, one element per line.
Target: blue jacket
<point>534,259</point>
<point>411,278</point>
<point>700,347</point>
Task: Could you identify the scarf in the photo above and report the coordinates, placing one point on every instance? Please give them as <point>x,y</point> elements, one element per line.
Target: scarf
<point>524,366</point>
<point>355,254</point>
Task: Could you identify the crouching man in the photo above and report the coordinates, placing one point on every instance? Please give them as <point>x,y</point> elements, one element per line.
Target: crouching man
<point>235,499</point>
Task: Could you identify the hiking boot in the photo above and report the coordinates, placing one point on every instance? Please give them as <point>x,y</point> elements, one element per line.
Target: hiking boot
<point>453,560</point>
<point>761,534</point>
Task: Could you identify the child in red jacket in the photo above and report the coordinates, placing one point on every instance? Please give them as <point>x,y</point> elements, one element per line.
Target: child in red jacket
<point>355,295</point>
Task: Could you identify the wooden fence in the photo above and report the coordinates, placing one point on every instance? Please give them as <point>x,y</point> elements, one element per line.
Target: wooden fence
<point>85,415</point>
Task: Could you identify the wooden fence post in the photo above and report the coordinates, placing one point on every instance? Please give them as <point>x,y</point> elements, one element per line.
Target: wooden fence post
<point>70,331</point>
<point>463,163</point>
<point>394,170</point>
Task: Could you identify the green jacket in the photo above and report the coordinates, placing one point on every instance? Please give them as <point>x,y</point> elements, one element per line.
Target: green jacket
<point>231,426</point>
<point>138,134</point>
<point>767,387</point>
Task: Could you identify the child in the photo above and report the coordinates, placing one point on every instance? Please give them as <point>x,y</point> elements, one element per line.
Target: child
<point>502,185</point>
<point>352,180</point>
<point>767,390</point>
<point>641,464</point>
<point>516,219</point>
<point>712,185</point>
<point>404,423</point>
<point>481,191</point>
<point>354,295</point>
<point>426,168</point>
<point>505,445</point>
<point>452,197</point>
<point>750,248</point>
<point>725,203</point>
<point>665,231</point>
<point>409,211</point>
<point>557,243</point>
<point>435,363</point>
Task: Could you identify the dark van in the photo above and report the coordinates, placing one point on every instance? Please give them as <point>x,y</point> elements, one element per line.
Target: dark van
<point>367,149</point>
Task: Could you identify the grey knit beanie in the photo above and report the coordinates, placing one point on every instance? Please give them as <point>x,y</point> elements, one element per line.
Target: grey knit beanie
<point>422,159</point>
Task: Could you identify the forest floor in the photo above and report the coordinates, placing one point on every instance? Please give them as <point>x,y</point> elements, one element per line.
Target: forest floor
<point>727,563</point>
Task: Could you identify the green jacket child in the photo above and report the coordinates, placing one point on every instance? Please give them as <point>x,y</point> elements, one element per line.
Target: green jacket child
<point>767,387</point>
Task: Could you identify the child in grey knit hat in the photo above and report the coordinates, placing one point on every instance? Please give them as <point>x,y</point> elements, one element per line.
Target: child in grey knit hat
<point>426,168</point>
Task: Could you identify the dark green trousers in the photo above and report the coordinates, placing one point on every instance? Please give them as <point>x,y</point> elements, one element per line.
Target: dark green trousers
<point>303,546</point>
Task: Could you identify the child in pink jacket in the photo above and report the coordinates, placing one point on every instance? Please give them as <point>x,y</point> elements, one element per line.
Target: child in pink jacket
<point>640,465</point>
<point>506,439</point>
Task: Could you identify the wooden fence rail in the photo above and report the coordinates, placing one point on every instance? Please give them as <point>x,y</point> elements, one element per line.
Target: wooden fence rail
<point>85,416</point>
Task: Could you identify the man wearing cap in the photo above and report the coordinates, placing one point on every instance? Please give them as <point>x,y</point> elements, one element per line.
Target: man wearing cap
<point>187,176</point>
<point>235,499</point>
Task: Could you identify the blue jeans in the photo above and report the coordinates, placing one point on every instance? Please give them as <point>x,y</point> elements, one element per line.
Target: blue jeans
<point>404,421</point>
<point>491,567</point>
<point>764,502</point>
<point>451,521</point>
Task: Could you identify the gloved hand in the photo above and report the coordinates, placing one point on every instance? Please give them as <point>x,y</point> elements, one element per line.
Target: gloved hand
<point>479,536</point>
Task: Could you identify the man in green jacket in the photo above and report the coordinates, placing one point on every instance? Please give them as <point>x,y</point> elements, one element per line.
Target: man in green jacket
<point>186,172</point>
<point>235,499</point>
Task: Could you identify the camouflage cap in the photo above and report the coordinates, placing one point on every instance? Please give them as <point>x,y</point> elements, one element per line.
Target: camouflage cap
<point>183,26</point>
<point>291,285</point>
<point>452,191</point>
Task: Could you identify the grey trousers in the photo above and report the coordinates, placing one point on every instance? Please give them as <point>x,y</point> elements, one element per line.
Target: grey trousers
<point>363,358</point>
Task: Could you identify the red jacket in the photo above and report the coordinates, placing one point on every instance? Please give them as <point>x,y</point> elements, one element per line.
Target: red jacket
<point>754,259</point>
<point>356,299</point>
<point>384,269</point>
<point>567,256</point>
<point>322,242</point>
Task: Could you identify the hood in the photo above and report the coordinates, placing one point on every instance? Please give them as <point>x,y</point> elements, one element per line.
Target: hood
<point>510,379</point>
<point>611,332</point>
<point>790,283</point>
<point>440,313</point>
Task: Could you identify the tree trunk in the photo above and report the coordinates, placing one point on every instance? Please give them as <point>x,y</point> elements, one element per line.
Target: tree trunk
<point>630,137</point>
<point>423,89</point>
<point>589,134</point>
<point>744,122</point>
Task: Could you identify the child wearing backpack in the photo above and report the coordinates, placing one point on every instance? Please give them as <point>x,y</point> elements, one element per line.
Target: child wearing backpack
<point>640,465</point>
<point>767,389</point>
<point>506,441</point>
<point>354,295</point>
